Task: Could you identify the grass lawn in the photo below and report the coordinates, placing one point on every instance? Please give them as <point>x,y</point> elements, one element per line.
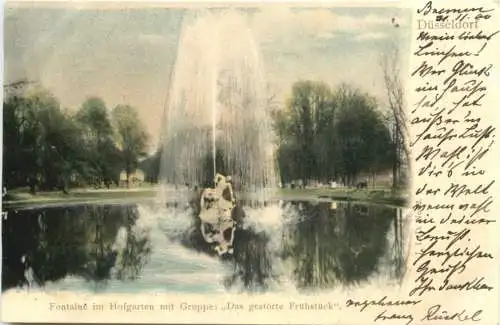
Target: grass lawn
<point>21,197</point>
<point>374,195</point>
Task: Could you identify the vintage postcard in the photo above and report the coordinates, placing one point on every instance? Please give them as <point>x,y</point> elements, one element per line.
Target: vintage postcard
<point>247,162</point>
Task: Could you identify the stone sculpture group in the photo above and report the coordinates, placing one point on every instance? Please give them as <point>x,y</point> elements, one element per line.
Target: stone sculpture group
<point>216,214</point>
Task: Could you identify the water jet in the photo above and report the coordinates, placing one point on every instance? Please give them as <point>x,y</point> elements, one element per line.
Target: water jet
<point>218,120</point>
<point>217,107</point>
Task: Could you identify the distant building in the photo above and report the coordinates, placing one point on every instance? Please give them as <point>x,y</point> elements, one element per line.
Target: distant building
<point>136,178</point>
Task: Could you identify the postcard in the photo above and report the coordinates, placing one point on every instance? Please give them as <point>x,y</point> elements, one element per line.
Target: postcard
<point>250,163</point>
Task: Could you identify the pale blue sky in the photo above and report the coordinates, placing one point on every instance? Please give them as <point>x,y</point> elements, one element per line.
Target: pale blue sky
<point>125,56</point>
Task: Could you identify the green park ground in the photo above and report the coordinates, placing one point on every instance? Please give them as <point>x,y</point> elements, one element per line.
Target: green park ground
<point>22,198</point>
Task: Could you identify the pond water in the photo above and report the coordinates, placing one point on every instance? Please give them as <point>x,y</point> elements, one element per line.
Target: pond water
<point>279,246</point>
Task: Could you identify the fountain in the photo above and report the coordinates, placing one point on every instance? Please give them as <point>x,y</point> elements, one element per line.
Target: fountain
<point>218,120</point>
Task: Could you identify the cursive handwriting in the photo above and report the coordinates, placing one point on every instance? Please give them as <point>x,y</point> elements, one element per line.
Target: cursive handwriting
<point>450,257</point>
<point>429,49</point>
<point>429,9</point>
<point>382,302</point>
<point>436,312</point>
<point>452,144</point>
<point>386,315</point>
<point>462,68</point>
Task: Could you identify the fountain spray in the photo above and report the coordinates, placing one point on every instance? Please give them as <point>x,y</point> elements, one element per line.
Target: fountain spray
<point>214,110</point>
<point>218,103</point>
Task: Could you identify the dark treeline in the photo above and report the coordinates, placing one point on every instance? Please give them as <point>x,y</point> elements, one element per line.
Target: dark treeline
<point>337,135</point>
<point>47,147</point>
<point>323,134</point>
<point>333,135</point>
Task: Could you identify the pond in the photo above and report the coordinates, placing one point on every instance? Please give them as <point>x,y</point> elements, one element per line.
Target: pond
<point>130,248</point>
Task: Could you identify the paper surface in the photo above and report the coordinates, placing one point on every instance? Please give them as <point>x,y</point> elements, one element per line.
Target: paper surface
<point>360,140</point>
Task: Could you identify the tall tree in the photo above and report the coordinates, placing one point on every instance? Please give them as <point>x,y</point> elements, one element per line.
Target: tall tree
<point>131,135</point>
<point>41,141</point>
<point>310,114</point>
<point>19,139</point>
<point>362,140</point>
<point>390,64</point>
<point>47,147</point>
<point>98,138</point>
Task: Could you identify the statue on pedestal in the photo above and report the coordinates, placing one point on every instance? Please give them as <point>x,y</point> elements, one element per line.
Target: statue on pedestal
<point>216,214</point>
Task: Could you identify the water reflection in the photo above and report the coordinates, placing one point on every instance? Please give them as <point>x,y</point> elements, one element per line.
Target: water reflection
<point>58,242</point>
<point>337,245</point>
<point>312,246</point>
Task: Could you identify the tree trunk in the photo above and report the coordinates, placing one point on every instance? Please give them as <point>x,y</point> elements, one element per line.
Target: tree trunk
<point>65,185</point>
<point>394,177</point>
<point>32,185</point>
<point>396,158</point>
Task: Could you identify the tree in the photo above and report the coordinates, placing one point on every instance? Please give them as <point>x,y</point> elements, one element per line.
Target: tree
<point>309,118</point>
<point>325,135</point>
<point>47,147</point>
<point>62,155</point>
<point>362,141</point>
<point>288,152</point>
<point>151,166</point>
<point>94,115</point>
<point>98,139</point>
<point>390,64</point>
<point>15,119</point>
<point>131,135</point>
<point>40,140</point>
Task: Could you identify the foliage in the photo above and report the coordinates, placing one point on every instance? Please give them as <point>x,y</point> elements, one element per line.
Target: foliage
<point>131,136</point>
<point>151,167</point>
<point>49,148</point>
<point>324,135</point>
<point>363,142</point>
<point>97,134</point>
<point>327,135</point>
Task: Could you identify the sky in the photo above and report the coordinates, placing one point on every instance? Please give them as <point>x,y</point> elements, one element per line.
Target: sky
<point>126,55</point>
